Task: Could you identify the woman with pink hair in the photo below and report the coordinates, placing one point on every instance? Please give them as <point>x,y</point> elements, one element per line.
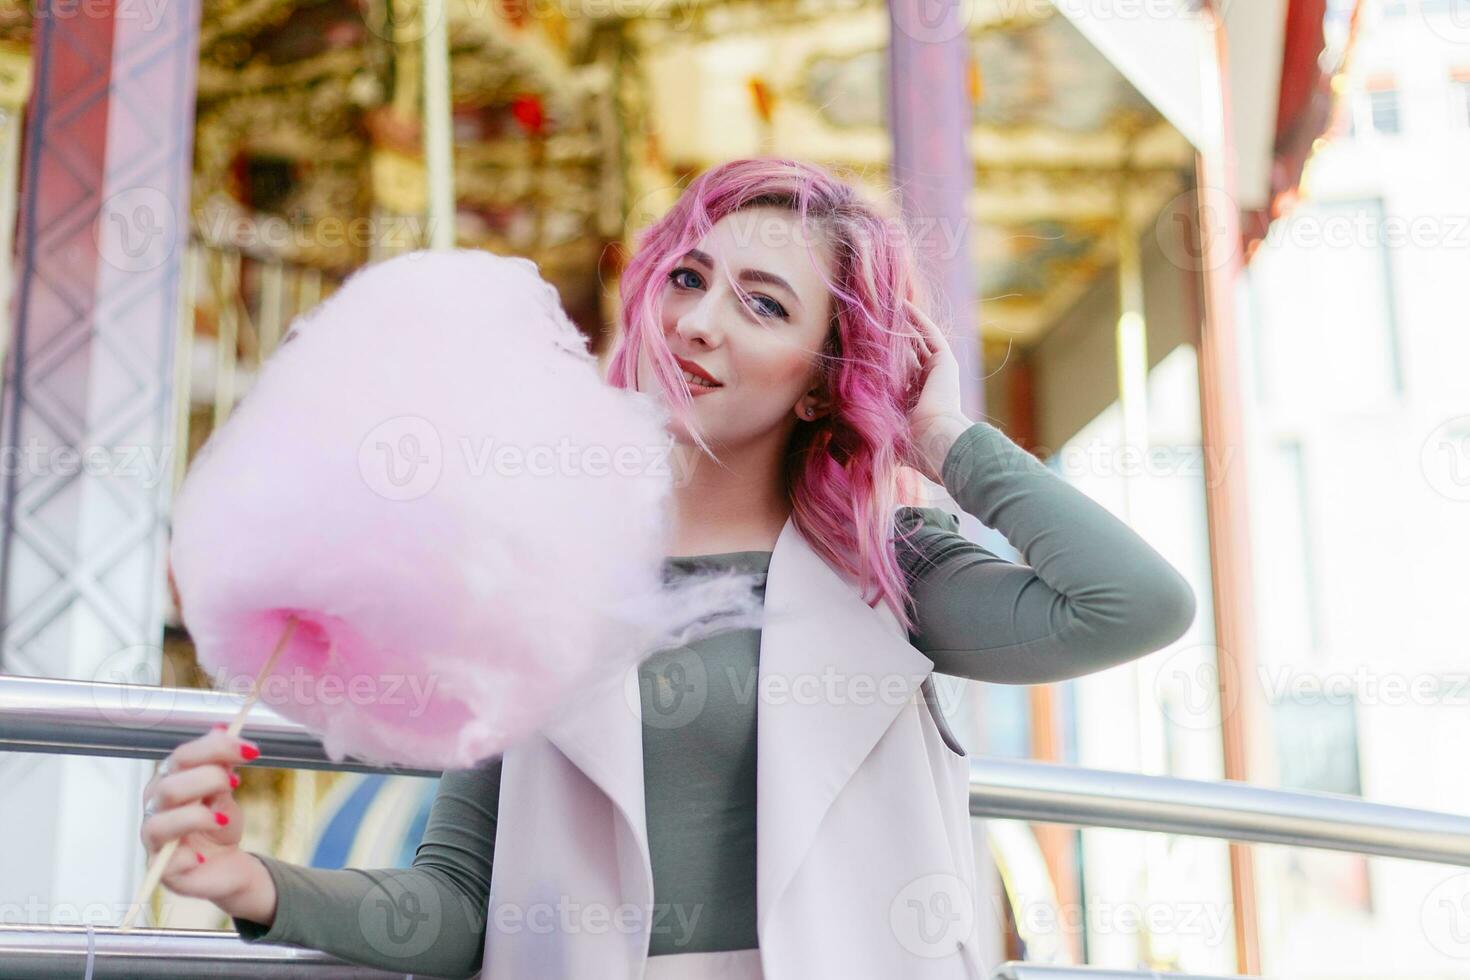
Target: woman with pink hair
<point>762,829</point>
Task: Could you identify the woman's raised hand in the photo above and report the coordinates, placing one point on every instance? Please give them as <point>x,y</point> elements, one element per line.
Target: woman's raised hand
<point>938,416</point>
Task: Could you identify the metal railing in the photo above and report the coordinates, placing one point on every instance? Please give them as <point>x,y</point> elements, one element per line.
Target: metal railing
<point>60,953</point>
<point>1038,971</point>
<point>79,718</point>
<point>33,952</point>
<point>66,717</point>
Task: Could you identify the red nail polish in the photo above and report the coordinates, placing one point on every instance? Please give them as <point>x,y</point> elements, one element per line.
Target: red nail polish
<point>248,752</point>
<point>221,819</point>
<point>199,856</point>
<point>234,781</point>
<point>219,726</point>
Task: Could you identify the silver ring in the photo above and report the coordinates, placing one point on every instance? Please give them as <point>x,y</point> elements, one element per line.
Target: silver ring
<point>150,808</point>
<point>165,767</point>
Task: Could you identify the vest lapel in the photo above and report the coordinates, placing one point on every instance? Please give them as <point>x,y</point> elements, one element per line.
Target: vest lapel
<point>834,673</point>
<point>601,732</point>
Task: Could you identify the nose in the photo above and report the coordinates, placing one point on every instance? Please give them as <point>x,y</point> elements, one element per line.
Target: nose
<point>697,325</point>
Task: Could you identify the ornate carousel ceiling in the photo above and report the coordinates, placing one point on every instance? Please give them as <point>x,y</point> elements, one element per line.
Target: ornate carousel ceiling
<point>574,122</point>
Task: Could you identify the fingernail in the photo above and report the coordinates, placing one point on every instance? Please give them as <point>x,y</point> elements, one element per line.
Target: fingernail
<point>199,856</point>
<point>234,781</point>
<point>248,752</point>
<point>220,818</point>
<point>219,726</point>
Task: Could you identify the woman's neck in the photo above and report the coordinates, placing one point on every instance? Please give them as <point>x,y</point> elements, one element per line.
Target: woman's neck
<point>740,506</point>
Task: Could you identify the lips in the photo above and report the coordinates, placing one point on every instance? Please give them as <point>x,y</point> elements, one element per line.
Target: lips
<point>697,371</point>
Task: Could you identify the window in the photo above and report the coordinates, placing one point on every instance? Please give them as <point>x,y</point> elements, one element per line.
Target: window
<point>1444,6</point>
<point>1383,109</point>
<point>1460,98</point>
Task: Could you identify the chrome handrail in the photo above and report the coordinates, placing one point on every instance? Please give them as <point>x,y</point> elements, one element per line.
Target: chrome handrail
<point>1039,971</point>
<point>69,717</point>
<point>60,953</point>
<point>46,952</point>
<point>76,717</point>
<point>1229,810</point>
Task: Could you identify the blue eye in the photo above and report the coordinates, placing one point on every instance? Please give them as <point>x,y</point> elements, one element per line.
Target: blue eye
<point>776,309</point>
<point>674,277</point>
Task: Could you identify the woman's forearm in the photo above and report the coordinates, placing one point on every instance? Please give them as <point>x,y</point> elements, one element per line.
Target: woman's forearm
<point>1093,593</point>
<point>405,920</point>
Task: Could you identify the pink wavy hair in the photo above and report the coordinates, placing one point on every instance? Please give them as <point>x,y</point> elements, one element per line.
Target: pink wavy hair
<point>844,471</point>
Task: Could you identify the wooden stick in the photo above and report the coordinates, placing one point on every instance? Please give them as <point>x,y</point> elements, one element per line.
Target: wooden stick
<point>161,859</point>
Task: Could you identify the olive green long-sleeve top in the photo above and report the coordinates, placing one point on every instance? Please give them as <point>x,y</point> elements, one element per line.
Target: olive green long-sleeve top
<point>1091,595</point>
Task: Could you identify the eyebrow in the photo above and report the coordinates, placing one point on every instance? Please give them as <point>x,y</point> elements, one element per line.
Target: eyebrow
<point>747,275</point>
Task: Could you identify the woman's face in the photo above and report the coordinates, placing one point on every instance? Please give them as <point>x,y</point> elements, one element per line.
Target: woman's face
<point>762,348</point>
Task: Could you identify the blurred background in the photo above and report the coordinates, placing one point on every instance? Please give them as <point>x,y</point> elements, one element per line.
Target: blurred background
<point>1209,261</point>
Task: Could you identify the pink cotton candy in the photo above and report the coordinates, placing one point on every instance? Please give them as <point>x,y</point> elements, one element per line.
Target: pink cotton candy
<point>467,522</point>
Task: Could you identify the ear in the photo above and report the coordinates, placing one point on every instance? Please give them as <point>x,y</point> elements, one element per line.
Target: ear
<point>813,405</point>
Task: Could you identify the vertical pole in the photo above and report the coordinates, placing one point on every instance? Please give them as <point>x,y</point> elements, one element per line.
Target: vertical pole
<point>15,84</point>
<point>929,120</point>
<point>438,126</point>
<point>1226,490</point>
<point>88,422</point>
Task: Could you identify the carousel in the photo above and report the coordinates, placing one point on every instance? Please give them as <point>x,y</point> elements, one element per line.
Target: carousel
<point>328,134</point>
